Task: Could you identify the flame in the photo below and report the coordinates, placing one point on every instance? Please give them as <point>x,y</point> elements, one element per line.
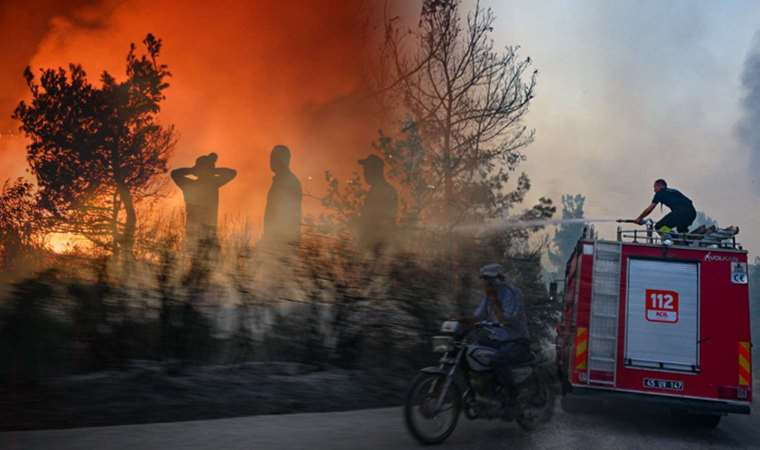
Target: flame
<point>64,243</point>
<point>245,78</point>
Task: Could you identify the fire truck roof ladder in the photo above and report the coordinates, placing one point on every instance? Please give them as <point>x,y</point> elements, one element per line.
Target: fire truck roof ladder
<point>603,327</point>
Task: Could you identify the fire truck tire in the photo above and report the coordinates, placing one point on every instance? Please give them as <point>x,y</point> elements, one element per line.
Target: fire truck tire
<point>706,421</point>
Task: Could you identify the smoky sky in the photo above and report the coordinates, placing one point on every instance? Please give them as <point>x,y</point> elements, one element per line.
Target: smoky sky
<point>632,91</point>
<point>748,128</point>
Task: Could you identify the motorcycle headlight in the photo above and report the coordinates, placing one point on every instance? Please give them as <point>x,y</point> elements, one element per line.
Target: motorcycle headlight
<point>450,326</point>
<point>442,344</point>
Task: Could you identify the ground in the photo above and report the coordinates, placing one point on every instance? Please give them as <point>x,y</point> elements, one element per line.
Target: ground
<point>145,393</point>
<point>609,426</point>
<point>266,392</point>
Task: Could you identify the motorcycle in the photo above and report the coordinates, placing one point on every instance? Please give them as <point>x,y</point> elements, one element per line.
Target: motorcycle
<point>465,381</point>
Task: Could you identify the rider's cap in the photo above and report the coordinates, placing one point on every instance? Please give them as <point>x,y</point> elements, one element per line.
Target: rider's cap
<point>493,270</point>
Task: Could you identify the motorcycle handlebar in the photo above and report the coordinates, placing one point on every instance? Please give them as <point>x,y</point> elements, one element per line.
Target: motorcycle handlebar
<point>485,323</point>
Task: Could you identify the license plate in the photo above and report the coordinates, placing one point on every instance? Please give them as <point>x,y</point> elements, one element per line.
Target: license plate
<point>671,385</point>
<point>441,344</point>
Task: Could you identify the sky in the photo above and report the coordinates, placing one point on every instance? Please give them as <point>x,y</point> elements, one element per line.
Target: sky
<point>627,91</point>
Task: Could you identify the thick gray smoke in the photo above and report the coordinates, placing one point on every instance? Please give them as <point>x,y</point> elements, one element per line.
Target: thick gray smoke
<point>749,125</point>
<point>501,225</point>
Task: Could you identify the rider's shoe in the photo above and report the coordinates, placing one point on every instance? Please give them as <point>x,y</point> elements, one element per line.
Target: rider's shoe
<point>510,408</point>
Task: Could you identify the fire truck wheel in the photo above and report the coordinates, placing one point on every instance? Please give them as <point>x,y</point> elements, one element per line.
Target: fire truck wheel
<point>707,421</point>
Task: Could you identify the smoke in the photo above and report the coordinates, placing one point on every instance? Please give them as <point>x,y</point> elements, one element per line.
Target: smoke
<point>748,128</point>
<point>496,226</point>
<point>23,25</point>
<point>246,76</point>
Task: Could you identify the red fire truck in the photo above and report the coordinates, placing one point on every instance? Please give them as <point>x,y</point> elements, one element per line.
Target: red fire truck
<point>661,321</point>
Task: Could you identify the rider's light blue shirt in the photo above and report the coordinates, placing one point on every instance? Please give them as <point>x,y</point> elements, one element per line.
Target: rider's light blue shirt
<point>515,325</point>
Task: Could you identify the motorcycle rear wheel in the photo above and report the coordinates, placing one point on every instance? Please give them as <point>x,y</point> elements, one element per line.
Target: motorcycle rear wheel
<point>420,404</point>
<point>540,407</point>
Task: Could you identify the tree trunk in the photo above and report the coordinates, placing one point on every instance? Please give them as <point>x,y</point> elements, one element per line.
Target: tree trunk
<point>11,250</point>
<point>115,225</point>
<point>448,190</point>
<point>128,237</point>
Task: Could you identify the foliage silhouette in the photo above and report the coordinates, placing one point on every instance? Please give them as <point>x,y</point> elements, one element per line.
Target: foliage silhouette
<point>96,151</point>
<point>20,222</point>
<point>567,234</point>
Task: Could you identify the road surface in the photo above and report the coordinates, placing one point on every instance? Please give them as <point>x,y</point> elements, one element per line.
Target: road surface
<point>613,426</point>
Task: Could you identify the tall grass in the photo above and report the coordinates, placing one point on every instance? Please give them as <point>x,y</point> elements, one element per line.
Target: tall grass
<point>321,302</point>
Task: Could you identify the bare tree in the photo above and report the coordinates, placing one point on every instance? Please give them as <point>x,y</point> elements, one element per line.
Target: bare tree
<point>468,101</point>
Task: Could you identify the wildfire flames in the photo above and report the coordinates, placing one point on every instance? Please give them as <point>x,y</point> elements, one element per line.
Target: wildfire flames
<point>245,77</point>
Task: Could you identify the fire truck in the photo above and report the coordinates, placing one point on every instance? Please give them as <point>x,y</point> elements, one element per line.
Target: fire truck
<point>658,320</point>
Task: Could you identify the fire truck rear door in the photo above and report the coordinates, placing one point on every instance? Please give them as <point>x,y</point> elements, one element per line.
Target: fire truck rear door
<point>662,315</point>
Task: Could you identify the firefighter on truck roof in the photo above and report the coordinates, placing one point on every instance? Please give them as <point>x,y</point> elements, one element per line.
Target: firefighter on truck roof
<point>682,212</point>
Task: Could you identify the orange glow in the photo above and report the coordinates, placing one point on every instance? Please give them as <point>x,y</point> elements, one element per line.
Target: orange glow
<point>63,243</point>
<point>246,76</point>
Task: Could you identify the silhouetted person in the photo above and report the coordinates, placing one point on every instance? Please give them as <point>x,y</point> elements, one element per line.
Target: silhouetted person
<point>200,186</point>
<point>377,220</point>
<point>282,217</point>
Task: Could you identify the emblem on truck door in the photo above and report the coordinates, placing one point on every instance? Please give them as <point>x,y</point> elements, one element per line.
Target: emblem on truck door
<point>671,385</point>
<point>739,273</point>
<point>661,306</point>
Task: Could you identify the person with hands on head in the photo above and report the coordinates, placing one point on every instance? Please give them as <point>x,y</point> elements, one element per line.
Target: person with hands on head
<point>200,187</point>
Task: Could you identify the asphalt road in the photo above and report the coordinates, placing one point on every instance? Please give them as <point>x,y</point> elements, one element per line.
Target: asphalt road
<point>596,426</point>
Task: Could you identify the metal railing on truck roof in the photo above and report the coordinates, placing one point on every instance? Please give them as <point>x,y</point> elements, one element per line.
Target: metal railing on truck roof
<point>713,237</point>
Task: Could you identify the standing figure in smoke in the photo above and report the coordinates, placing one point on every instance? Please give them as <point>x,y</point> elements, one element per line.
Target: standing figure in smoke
<point>200,186</point>
<point>282,217</point>
<point>377,219</point>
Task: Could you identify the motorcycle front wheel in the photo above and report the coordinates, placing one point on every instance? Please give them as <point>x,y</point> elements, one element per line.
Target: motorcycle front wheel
<point>424,422</point>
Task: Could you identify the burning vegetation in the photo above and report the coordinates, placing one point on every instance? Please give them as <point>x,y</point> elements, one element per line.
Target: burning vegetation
<point>344,290</point>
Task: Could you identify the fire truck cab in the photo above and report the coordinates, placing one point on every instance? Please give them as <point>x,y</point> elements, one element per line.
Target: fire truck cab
<point>665,322</point>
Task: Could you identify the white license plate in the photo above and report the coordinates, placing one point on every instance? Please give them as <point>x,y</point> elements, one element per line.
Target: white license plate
<point>442,344</point>
<point>671,385</point>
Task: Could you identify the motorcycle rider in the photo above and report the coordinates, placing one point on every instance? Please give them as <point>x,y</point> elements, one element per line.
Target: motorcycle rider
<point>436,398</point>
<point>502,305</point>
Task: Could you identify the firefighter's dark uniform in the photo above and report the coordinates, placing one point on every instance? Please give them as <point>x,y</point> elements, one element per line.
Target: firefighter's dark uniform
<point>682,212</point>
